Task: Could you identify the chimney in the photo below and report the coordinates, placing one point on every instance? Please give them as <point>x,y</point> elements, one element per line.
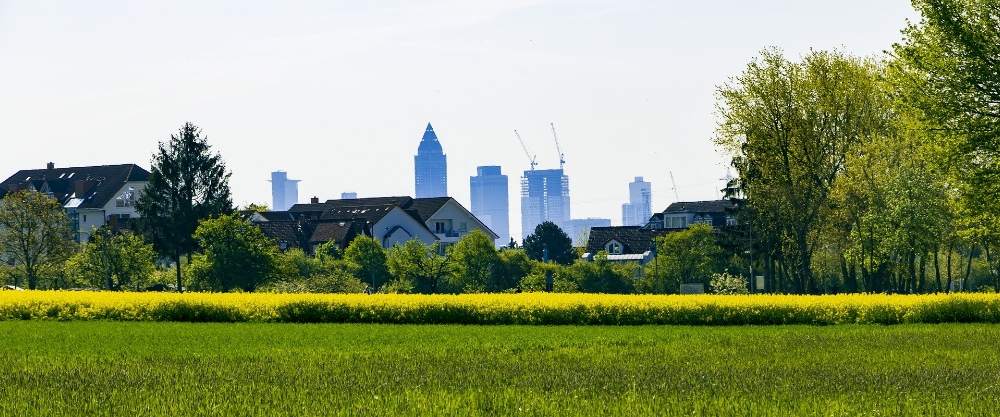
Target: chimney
<point>314,200</point>
<point>82,187</point>
<point>50,166</point>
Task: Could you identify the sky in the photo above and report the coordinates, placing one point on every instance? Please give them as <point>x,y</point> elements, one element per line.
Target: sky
<point>338,93</point>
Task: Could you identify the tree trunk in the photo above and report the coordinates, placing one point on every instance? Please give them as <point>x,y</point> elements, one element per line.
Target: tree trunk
<point>968,268</point>
<point>937,270</point>
<point>177,262</point>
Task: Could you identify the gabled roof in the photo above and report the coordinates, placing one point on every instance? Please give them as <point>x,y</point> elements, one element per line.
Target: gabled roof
<point>341,232</point>
<point>61,182</point>
<point>634,239</point>
<point>291,233</point>
<point>426,207</point>
<point>711,206</point>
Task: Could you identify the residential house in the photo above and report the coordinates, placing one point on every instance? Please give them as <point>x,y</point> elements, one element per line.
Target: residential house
<point>391,220</point>
<point>92,196</point>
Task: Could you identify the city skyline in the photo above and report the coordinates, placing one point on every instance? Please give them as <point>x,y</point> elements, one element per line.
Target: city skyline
<point>333,92</point>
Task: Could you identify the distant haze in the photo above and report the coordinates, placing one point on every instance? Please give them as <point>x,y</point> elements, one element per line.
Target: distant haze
<point>338,93</point>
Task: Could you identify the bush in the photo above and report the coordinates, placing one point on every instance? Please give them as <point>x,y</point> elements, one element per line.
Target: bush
<point>726,284</point>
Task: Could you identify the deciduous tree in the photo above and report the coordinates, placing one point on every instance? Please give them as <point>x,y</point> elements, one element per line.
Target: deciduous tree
<point>35,234</point>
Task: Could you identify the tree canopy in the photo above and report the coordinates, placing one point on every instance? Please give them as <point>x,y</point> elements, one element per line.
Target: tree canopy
<point>187,184</point>
<point>235,254</point>
<point>35,235</point>
<point>549,236</point>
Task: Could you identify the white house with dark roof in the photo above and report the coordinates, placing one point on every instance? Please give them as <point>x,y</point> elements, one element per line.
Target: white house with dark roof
<point>391,220</point>
<point>93,196</point>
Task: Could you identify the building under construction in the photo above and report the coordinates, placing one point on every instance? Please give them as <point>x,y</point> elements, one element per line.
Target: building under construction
<point>544,197</point>
<point>544,193</point>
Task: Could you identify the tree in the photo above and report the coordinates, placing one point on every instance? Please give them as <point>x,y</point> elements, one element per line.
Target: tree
<point>113,262</point>
<point>549,236</point>
<point>234,254</point>
<point>684,257</point>
<point>789,128</point>
<point>367,261</point>
<point>511,267</point>
<point>35,234</point>
<point>187,184</point>
<point>420,265</point>
<point>603,276</point>
<point>475,259</point>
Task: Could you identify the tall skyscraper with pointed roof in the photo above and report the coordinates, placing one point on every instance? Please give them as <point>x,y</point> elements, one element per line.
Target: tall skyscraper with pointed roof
<point>430,167</point>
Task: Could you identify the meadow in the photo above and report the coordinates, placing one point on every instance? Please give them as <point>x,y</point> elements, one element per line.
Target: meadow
<point>143,368</point>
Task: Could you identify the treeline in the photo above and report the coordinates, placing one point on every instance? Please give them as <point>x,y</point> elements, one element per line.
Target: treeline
<point>874,175</point>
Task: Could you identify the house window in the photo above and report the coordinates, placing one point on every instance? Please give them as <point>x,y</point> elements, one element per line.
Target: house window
<point>127,199</point>
<point>614,248</point>
<point>730,221</point>
<point>462,227</point>
<point>439,227</point>
<point>84,218</point>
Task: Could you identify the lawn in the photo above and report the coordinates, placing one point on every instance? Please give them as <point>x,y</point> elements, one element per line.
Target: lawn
<point>149,368</point>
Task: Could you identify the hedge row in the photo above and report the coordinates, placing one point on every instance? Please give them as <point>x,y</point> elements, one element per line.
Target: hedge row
<point>541,309</point>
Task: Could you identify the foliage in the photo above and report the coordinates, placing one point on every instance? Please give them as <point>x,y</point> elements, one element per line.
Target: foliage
<point>35,236</point>
<point>235,255</point>
<point>790,127</point>
<point>420,265</point>
<point>476,260</point>
<point>727,284</point>
<point>682,257</point>
<point>114,262</point>
<point>366,259</point>
<point>512,266</point>
<point>329,251</point>
<point>549,236</point>
<point>603,276</point>
<point>187,184</point>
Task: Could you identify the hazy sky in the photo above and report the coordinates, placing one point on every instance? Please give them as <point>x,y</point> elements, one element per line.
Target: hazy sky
<point>338,93</point>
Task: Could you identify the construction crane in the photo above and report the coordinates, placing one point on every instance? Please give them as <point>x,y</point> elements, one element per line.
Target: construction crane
<point>558,149</point>
<point>531,158</point>
<point>677,198</point>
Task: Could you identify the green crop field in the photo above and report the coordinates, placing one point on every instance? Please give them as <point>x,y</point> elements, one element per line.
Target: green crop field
<point>140,368</point>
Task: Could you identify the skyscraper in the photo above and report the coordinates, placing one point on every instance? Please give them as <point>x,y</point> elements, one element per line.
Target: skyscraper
<point>640,206</point>
<point>490,203</point>
<point>430,167</point>
<point>284,192</point>
<point>544,197</point>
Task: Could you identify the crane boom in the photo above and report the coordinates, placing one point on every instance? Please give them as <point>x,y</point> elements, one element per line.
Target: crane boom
<point>531,158</point>
<point>558,149</point>
<point>677,198</point>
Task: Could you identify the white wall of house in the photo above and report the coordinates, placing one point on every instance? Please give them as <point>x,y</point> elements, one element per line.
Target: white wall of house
<point>399,227</point>
<point>452,221</point>
<point>89,219</point>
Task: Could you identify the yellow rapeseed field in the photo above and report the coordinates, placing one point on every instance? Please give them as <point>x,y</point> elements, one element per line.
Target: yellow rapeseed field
<point>528,308</point>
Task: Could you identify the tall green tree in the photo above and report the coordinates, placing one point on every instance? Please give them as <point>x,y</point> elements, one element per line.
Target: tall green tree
<point>234,254</point>
<point>419,264</point>
<point>684,257</point>
<point>187,184</point>
<point>948,61</point>
<point>476,258</point>
<point>789,127</point>
<point>366,259</point>
<point>113,262</point>
<point>548,235</point>
<point>35,234</point>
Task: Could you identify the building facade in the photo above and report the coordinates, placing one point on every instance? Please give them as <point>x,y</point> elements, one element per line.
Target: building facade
<point>544,197</point>
<point>640,206</point>
<point>490,201</point>
<point>430,167</point>
<point>92,196</point>
<point>284,192</point>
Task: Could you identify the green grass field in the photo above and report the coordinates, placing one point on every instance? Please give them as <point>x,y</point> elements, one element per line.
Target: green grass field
<point>116,368</point>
